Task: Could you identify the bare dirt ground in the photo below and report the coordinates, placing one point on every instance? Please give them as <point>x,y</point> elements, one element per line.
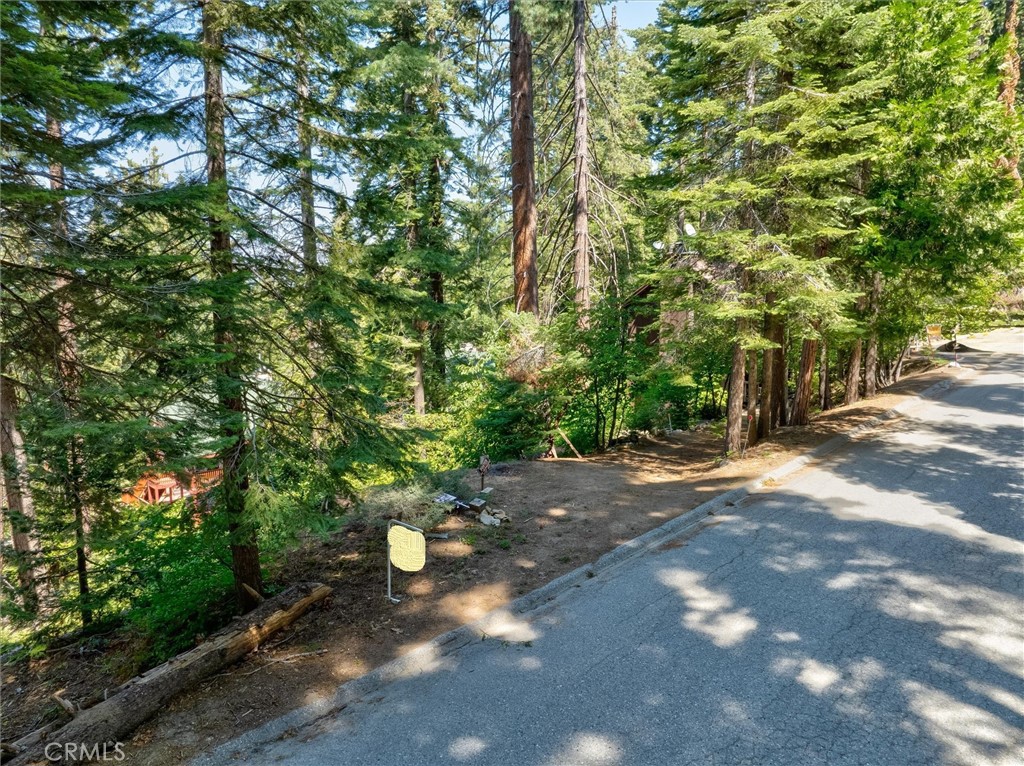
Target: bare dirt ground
<point>563,512</point>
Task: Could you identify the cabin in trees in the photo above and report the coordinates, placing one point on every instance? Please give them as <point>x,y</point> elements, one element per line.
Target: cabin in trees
<point>168,487</point>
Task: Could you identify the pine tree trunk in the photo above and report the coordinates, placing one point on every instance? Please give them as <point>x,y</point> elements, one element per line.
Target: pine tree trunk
<point>412,241</point>
<point>437,340</point>
<point>307,202</point>
<point>824,381</point>
<point>853,374</point>
<point>73,497</point>
<point>734,406</point>
<point>871,366</point>
<point>68,381</point>
<point>229,386</point>
<point>802,402</point>
<point>764,414</point>
<point>780,377</point>
<point>419,396</point>
<point>21,515</point>
<point>897,372</point>
<point>751,399</point>
<point>581,175</point>
<point>769,368</point>
<point>1010,81</point>
<point>871,353</point>
<point>524,203</point>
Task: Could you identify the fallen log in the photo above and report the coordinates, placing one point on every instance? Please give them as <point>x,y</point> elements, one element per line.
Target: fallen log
<point>112,720</point>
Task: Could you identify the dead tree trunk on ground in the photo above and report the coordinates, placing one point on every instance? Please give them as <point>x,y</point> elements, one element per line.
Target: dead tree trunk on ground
<point>113,719</point>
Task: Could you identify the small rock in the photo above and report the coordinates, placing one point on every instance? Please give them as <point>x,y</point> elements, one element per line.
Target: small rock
<point>489,520</point>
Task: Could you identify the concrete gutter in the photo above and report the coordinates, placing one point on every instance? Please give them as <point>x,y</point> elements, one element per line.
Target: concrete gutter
<point>505,622</point>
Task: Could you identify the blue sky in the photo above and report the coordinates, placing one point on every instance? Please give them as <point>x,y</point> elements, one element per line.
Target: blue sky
<point>634,14</point>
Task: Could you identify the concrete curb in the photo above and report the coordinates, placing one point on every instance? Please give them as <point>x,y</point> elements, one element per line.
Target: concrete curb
<point>501,623</point>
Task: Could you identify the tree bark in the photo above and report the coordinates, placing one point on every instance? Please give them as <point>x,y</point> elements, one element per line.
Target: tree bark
<point>897,372</point>
<point>67,368</point>
<point>769,387</point>
<point>21,515</point>
<point>751,399</point>
<point>419,397</point>
<point>306,194</point>
<point>245,559</point>
<point>734,407</point>
<point>824,382</point>
<point>581,175</point>
<point>437,336</point>
<point>853,374</point>
<point>780,377</point>
<point>524,202</point>
<point>871,354</point>
<point>116,717</point>
<point>1010,81</point>
<point>802,402</point>
<point>437,328</point>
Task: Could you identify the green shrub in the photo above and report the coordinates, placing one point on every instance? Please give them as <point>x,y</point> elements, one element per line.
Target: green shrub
<point>662,401</point>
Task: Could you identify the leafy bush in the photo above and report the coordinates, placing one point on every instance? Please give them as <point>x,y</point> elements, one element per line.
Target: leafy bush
<point>662,401</point>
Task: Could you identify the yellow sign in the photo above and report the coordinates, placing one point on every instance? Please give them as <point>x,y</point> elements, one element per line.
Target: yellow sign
<point>408,549</point>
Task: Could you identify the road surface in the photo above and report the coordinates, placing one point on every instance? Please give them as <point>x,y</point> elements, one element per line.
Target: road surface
<point>867,611</point>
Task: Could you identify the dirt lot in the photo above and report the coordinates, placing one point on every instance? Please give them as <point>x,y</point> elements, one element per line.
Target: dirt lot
<point>563,513</point>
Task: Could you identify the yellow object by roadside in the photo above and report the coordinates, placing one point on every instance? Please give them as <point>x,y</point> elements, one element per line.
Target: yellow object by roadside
<point>408,549</point>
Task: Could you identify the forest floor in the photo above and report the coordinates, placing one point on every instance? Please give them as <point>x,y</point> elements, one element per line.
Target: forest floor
<point>564,513</point>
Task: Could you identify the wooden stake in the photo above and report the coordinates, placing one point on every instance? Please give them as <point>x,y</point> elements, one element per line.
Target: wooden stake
<point>575,451</point>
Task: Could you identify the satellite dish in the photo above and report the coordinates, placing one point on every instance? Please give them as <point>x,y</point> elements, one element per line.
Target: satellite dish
<point>690,231</point>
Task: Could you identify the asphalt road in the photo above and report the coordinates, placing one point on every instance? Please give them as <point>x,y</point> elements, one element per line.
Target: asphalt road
<point>867,611</point>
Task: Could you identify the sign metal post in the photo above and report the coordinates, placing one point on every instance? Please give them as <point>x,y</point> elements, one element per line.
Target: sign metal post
<point>407,549</point>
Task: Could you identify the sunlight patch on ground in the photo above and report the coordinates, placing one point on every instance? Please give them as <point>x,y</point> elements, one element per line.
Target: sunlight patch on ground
<point>709,612</point>
<point>787,636</point>
<point>861,503</point>
<point>426,659</point>
<point>588,749</point>
<point>506,626</point>
<point>464,748</point>
<point>816,677</point>
<point>968,617</point>
<point>351,668</point>
<point>969,734</point>
<point>1000,696</point>
<point>473,603</point>
<point>800,561</point>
